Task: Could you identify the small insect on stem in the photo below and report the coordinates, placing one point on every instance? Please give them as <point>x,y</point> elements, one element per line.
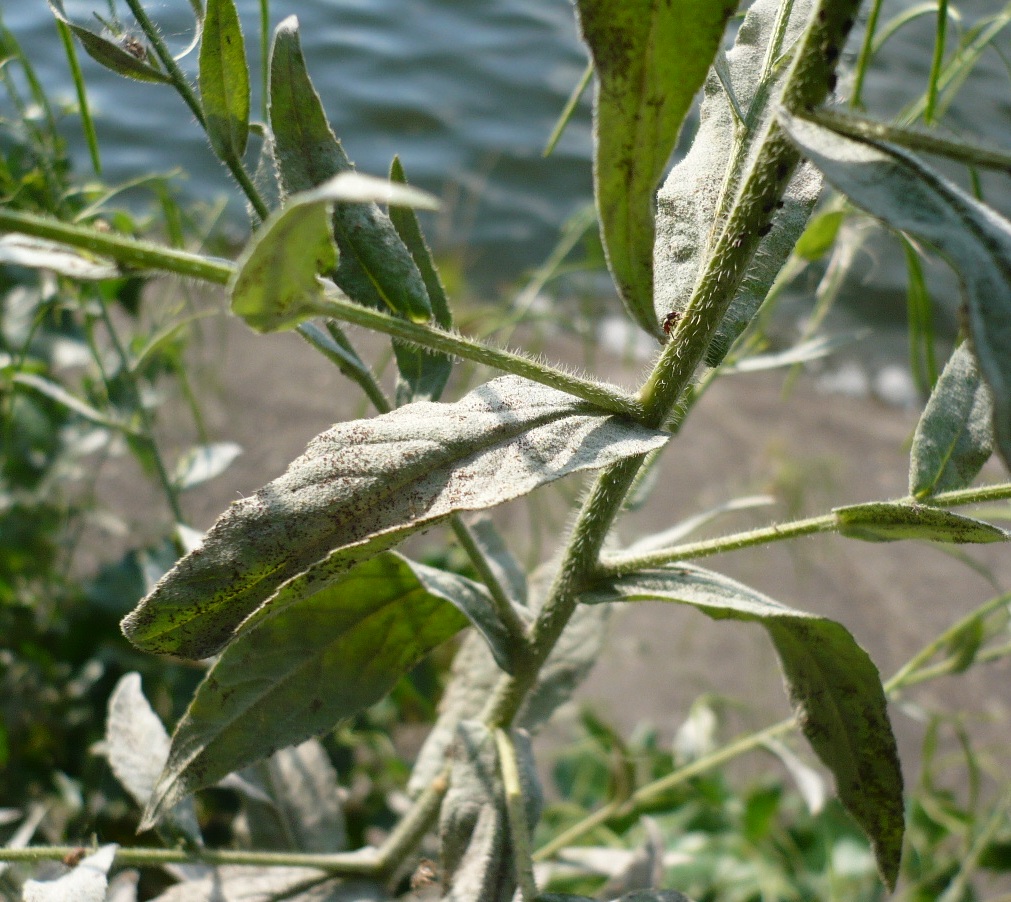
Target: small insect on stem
<point>670,321</point>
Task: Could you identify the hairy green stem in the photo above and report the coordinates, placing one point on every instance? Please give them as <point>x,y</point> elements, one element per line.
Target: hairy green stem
<point>867,129</point>
<point>503,604</point>
<point>185,89</point>
<point>621,564</point>
<point>516,812</point>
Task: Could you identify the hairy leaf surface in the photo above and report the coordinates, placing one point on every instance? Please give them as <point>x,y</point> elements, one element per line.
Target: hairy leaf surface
<point>365,485</point>
<point>697,196</point>
<point>894,186</point>
<point>376,263</point>
<point>475,838</point>
<point>294,672</point>
<point>893,521</point>
<point>833,685</point>
<point>224,80</point>
<point>87,882</point>
<point>650,59</point>
<point>954,437</point>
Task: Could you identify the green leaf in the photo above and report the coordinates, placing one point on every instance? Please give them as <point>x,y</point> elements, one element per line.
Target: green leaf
<point>423,375</point>
<point>307,153</point>
<point>954,437</point>
<point>110,54</point>
<point>833,685</point>
<point>477,853</point>
<point>297,671</point>
<point>224,80</point>
<point>698,195</point>
<point>820,235</point>
<point>650,59</point>
<point>892,521</point>
<point>894,186</point>
<point>276,283</point>
<point>507,570</point>
<point>365,485</point>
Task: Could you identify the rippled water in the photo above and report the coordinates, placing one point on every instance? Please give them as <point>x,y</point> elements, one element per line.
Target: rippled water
<point>466,92</point>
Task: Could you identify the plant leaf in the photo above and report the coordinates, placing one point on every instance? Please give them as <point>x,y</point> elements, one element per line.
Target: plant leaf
<point>644,90</point>
<point>474,676</point>
<point>307,153</point>
<point>87,882</point>
<point>203,463</point>
<point>474,835</point>
<point>423,375</point>
<point>224,80</point>
<point>833,685</point>
<point>296,671</point>
<point>954,437</point>
<point>894,186</point>
<point>276,283</point>
<point>697,196</point>
<point>109,53</point>
<point>892,521</point>
<point>508,571</point>
<point>363,486</point>
<point>242,883</point>
<point>137,747</point>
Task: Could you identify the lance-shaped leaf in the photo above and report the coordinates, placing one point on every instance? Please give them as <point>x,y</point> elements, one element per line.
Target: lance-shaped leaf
<point>37,253</point>
<point>87,882</point>
<point>137,747</point>
<point>894,186</point>
<point>365,485</point>
<point>276,283</point>
<point>224,80</point>
<point>297,671</point>
<point>243,883</point>
<point>423,375</point>
<point>833,685</point>
<point>476,843</point>
<point>696,198</point>
<point>650,59</point>
<point>124,57</point>
<point>893,521</point>
<point>307,153</point>
<point>954,437</point>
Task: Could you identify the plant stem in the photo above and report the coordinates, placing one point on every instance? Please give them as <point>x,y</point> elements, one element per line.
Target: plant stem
<point>866,52</point>
<point>516,811</point>
<point>182,85</point>
<point>619,565</point>
<point>503,604</point>
<point>862,128</point>
<point>130,252</point>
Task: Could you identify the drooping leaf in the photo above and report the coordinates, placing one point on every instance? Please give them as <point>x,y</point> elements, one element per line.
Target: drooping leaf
<point>893,521</point>
<point>474,676</point>
<point>224,80</point>
<point>474,834</point>
<point>295,802</point>
<point>115,56</point>
<point>363,486</point>
<point>307,153</point>
<point>833,685</point>
<point>276,283</point>
<point>242,883</point>
<point>650,59</point>
<point>203,463</point>
<point>87,882</point>
<point>296,671</point>
<point>423,375</point>
<point>37,253</point>
<point>137,747</point>
<point>697,196</point>
<point>894,186</point>
<point>954,437</point>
